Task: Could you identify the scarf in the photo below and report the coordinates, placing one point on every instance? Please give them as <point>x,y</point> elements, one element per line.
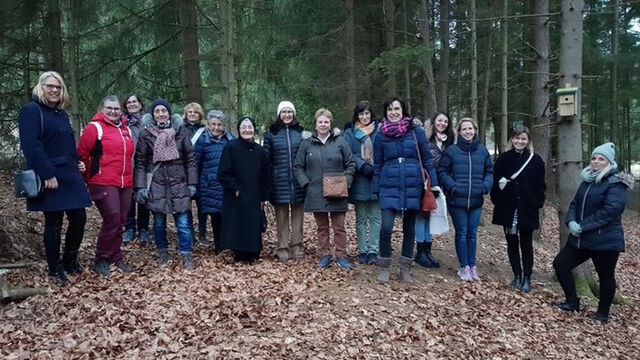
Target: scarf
<point>165,147</point>
<point>590,176</point>
<point>362,134</point>
<point>366,129</point>
<point>395,129</point>
<point>134,119</point>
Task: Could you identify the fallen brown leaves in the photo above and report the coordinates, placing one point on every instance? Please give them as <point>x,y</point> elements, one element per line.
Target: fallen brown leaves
<point>292,310</point>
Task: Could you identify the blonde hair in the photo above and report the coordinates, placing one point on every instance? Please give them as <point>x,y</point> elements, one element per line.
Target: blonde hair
<point>464,120</point>
<point>325,112</point>
<point>39,93</point>
<point>524,130</point>
<point>197,107</point>
<point>603,173</point>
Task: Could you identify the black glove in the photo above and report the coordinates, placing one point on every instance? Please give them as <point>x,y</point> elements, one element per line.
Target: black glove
<point>192,191</point>
<point>367,170</point>
<point>142,196</point>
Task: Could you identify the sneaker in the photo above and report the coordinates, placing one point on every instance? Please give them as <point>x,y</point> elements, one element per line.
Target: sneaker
<point>568,306</point>
<point>101,267</point>
<point>324,262</point>
<point>163,257</point>
<point>474,273</point>
<point>59,278</point>
<point>187,262</point>
<point>344,263</point>
<point>465,273</point>
<point>599,317</point>
<point>73,268</point>
<point>143,235</point>
<point>372,259</point>
<point>128,236</point>
<point>124,267</point>
<point>362,258</point>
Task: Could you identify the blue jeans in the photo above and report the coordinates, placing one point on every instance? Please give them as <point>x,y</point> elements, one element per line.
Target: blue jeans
<point>408,228</point>
<point>466,226</point>
<point>368,212</point>
<point>423,234</point>
<point>184,231</point>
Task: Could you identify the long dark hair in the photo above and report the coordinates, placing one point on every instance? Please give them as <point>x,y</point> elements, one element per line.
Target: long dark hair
<point>448,131</point>
<point>360,107</point>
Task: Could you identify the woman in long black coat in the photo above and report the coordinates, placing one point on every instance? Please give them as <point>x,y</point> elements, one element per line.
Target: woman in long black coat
<point>517,205</point>
<point>244,176</point>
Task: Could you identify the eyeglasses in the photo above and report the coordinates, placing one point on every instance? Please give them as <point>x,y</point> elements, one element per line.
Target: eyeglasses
<point>111,109</point>
<point>129,102</point>
<point>51,87</point>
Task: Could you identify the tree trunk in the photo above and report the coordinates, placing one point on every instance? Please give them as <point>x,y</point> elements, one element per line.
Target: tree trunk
<point>504,119</point>
<point>190,50</point>
<point>350,54</point>
<point>482,124</point>
<point>443,70</point>
<point>427,68</point>
<point>53,40</point>
<point>474,62</point>
<point>389,9</point>
<point>407,75</point>
<point>74,88</point>
<point>615,123</point>
<point>229,86</point>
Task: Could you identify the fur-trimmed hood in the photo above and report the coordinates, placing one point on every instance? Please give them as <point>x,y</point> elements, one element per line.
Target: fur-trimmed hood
<point>147,120</point>
<point>627,179</point>
<point>314,135</point>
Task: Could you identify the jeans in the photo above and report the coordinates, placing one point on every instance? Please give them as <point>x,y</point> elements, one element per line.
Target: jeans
<point>52,233</point>
<point>408,229</point>
<point>184,231</point>
<point>368,212</point>
<point>113,204</point>
<point>605,264</point>
<point>423,234</point>
<point>142,221</point>
<point>514,245</point>
<point>466,223</point>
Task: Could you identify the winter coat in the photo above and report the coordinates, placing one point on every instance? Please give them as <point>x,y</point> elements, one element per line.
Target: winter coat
<point>598,208</point>
<point>436,152</point>
<point>525,193</point>
<point>191,130</point>
<point>208,151</point>
<point>51,152</point>
<point>397,173</point>
<point>114,164</point>
<point>281,144</point>
<point>243,168</point>
<point>169,192</point>
<point>361,187</point>
<point>466,174</point>
<point>315,159</point>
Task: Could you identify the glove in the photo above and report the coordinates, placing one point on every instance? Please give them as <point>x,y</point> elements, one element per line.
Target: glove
<point>575,228</point>
<point>142,196</point>
<point>367,170</point>
<point>436,191</point>
<point>192,191</point>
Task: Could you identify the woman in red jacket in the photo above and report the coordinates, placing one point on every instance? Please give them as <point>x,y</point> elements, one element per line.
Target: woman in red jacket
<point>106,146</point>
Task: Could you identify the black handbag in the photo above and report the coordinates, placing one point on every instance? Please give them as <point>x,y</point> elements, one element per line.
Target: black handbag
<point>26,183</point>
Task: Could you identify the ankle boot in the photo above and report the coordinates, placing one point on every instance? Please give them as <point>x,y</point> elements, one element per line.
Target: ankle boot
<point>385,265</point>
<point>421,255</point>
<point>432,259</point>
<point>70,261</point>
<point>516,283</point>
<point>59,277</point>
<point>405,269</point>
<point>526,284</point>
<point>568,306</point>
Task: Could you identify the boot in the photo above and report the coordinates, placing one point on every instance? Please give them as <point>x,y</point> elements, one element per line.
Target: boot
<point>568,306</point>
<point>526,284</point>
<point>102,268</point>
<point>202,238</point>
<point>429,255</point>
<point>405,269</point>
<point>187,262</point>
<point>385,265</point>
<point>143,235</point>
<point>59,277</point>
<point>163,257</point>
<point>421,255</point>
<point>599,317</point>
<point>516,283</point>
<point>71,265</point>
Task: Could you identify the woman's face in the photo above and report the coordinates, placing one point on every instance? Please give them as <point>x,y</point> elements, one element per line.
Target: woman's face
<point>216,126</point>
<point>440,124</point>
<point>133,105</point>
<point>520,142</point>
<point>598,162</point>
<point>192,115</point>
<point>246,130</point>
<point>364,117</point>
<point>323,125</point>
<point>161,114</point>
<point>52,90</point>
<point>111,110</point>
<point>286,115</point>
<point>467,131</point>
<point>394,111</point>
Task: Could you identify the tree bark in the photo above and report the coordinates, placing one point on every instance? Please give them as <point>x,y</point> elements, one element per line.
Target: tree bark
<point>227,77</point>
<point>53,39</point>
<point>407,75</point>
<point>350,54</point>
<point>474,62</point>
<point>482,124</point>
<point>615,122</point>
<point>443,70</point>
<point>504,119</point>
<point>425,63</point>
<point>389,9</point>
<point>74,88</point>
<point>190,50</point>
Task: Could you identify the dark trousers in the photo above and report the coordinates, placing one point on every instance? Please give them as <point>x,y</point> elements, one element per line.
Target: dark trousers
<point>113,203</point>
<point>142,220</point>
<point>605,264</point>
<point>523,243</point>
<point>52,233</point>
<point>408,231</point>
<point>216,225</point>
<point>202,220</point>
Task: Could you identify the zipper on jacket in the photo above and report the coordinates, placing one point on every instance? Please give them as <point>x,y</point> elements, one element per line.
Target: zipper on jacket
<point>291,179</point>
<point>470,169</point>
<point>124,162</point>
<point>584,199</point>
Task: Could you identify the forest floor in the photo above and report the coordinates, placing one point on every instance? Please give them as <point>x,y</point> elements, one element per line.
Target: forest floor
<point>273,310</point>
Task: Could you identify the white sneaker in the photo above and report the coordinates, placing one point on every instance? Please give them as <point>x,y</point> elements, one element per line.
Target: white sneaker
<point>465,273</point>
<point>474,273</point>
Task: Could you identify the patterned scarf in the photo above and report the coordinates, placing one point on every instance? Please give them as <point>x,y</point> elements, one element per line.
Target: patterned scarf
<point>165,147</point>
<point>363,134</point>
<point>395,129</point>
<point>134,119</point>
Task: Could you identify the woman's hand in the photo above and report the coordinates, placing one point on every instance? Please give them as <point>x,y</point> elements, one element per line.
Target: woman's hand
<point>51,183</point>
<point>82,167</point>
<point>237,193</point>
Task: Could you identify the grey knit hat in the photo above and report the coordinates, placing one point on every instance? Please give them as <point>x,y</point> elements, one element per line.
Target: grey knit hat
<point>215,113</point>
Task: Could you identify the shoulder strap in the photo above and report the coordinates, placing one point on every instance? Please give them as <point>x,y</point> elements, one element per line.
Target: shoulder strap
<point>98,127</point>
<point>195,136</point>
<point>522,168</point>
<point>425,177</point>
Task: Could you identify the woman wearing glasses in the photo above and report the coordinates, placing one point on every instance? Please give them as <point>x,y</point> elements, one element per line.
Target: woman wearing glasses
<point>106,146</point>
<point>48,144</point>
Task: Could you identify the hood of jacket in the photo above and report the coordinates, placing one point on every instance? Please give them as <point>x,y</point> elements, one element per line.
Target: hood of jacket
<point>276,126</point>
<point>333,134</point>
<point>101,118</point>
<point>147,120</point>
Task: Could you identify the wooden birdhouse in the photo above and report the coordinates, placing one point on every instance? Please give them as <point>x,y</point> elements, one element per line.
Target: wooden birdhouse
<point>567,101</point>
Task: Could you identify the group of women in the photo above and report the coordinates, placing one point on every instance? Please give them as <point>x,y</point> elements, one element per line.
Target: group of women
<point>164,163</point>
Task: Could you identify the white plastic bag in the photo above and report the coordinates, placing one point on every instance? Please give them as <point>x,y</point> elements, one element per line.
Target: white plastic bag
<point>438,221</point>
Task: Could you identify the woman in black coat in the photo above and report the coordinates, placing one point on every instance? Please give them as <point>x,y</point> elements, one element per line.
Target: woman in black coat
<point>518,203</point>
<point>244,175</point>
<point>48,144</point>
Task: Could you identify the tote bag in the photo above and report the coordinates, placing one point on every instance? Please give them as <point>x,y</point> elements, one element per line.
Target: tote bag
<point>438,221</point>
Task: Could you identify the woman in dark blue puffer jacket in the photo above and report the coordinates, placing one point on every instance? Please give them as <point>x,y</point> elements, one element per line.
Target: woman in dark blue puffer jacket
<point>466,175</point>
<point>281,143</point>
<point>595,222</point>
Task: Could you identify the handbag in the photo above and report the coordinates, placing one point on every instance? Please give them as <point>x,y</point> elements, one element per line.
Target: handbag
<point>502,183</point>
<point>438,221</point>
<point>428,201</point>
<point>334,185</point>
<point>27,184</point>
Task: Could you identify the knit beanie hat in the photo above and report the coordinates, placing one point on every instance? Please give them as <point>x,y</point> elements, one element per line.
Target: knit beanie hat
<point>216,114</point>
<point>608,150</point>
<point>163,102</point>
<point>253,122</point>
<point>286,104</point>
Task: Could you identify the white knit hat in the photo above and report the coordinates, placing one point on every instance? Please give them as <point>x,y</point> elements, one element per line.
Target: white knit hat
<point>286,104</point>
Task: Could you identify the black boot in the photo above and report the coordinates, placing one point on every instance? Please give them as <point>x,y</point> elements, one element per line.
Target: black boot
<point>568,306</point>
<point>70,261</point>
<point>59,277</point>
<point>600,317</point>
<point>516,284</point>
<point>430,256</point>
<point>421,255</point>
<point>526,284</point>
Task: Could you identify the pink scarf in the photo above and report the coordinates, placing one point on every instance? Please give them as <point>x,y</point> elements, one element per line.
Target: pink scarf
<point>164,148</point>
<point>395,129</point>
